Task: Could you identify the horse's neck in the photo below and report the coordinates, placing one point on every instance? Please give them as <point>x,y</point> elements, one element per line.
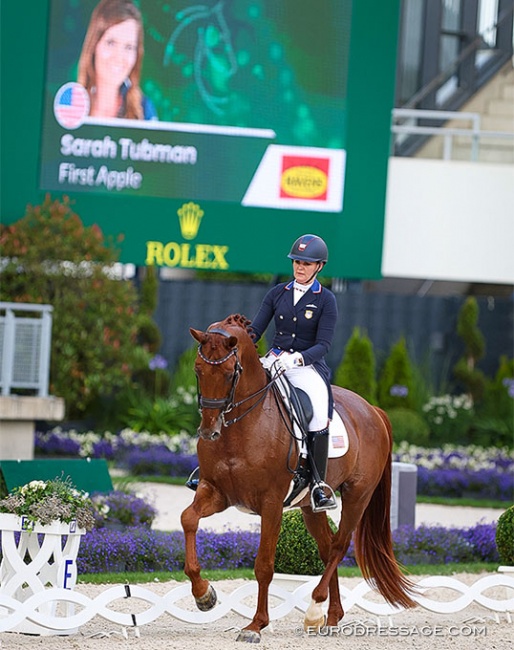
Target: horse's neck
<point>253,373</point>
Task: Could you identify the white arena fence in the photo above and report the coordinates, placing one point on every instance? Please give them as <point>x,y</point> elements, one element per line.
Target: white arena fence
<point>78,609</point>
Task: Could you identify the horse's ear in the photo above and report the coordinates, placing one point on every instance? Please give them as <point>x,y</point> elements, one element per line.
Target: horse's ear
<point>200,336</point>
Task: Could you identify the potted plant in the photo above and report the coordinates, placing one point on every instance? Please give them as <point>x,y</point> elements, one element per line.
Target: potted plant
<point>41,524</point>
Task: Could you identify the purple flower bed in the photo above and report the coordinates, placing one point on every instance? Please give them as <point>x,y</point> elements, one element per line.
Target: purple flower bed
<point>159,461</point>
<point>119,508</point>
<point>482,484</point>
<point>446,472</point>
<point>55,445</point>
<point>141,549</point>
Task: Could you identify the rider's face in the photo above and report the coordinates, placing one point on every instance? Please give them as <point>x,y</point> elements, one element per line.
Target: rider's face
<point>304,272</point>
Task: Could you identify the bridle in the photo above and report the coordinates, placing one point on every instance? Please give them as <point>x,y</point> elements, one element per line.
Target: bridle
<point>227,404</point>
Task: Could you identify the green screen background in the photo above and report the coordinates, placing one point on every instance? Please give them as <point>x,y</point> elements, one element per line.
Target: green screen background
<point>304,82</point>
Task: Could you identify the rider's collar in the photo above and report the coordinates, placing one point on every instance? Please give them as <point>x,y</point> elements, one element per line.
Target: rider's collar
<point>315,287</point>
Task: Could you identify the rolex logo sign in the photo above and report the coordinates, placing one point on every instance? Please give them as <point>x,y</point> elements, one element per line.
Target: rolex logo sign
<point>190,216</point>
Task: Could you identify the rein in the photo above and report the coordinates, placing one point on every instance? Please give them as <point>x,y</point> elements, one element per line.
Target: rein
<point>227,404</point>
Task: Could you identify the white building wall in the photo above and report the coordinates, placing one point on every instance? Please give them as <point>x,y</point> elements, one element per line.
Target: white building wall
<point>449,220</point>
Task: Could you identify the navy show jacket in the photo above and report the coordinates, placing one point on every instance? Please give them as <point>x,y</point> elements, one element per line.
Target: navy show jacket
<point>307,327</point>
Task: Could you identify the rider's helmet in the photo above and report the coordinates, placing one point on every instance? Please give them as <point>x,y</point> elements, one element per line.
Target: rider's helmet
<point>309,248</point>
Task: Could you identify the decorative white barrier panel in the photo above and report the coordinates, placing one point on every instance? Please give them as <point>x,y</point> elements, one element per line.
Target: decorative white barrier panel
<point>34,563</point>
<point>37,609</point>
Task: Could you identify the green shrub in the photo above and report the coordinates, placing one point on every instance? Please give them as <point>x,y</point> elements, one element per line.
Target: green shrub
<point>184,375</point>
<point>155,382</point>
<point>149,291</point>
<point>357,368</point>
<point>396,380</point>
<point>494,422</point>
<point>149,334</point>
<point>172,415</point>
<point>50,257</point>
<point>409,426</point>
<point>465,370</point>
<point>449,418</point>
<point>297,551</point>
<point>505,537</point>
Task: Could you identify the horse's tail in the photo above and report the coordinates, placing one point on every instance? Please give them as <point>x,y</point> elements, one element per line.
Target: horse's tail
<point>373,541</point>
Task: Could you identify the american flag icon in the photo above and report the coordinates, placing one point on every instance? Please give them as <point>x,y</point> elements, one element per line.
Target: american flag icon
<point>71,105</point>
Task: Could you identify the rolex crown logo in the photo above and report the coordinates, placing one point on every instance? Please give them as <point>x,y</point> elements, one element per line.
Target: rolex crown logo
<point>190,216</point>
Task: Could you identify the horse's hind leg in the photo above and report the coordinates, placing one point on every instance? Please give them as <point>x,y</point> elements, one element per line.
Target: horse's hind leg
<point>318,526</point>
<point>354,503</point>
<point>206,502</point>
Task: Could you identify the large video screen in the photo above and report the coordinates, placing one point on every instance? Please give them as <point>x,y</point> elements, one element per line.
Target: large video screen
<point>239,101</point>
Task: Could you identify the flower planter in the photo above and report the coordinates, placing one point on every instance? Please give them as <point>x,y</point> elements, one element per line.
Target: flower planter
<point>34,558</point>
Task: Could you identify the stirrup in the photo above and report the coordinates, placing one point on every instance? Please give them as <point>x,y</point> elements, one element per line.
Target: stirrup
<point>194,479</point>
<point>327,501</point>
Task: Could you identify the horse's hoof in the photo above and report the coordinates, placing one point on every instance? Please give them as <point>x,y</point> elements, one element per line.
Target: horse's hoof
<point>207,601</point>
<point>249,636</point>
<point>315,626</point>
<point>314,619</point>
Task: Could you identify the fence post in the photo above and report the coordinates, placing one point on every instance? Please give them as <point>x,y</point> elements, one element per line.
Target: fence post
<point>403,494</point>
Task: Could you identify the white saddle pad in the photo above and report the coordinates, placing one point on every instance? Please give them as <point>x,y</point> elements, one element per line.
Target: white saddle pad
<point>338,436</point>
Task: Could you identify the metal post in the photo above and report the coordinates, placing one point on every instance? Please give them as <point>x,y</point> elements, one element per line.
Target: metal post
<point>8,351</point>
<point>44,352</point>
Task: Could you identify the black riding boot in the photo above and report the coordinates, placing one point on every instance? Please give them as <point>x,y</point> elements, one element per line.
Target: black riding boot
<point>194,479</point>
<point>322,495</point>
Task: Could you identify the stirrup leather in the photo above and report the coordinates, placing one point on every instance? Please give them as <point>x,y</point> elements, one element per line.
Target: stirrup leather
<point>194,479</point>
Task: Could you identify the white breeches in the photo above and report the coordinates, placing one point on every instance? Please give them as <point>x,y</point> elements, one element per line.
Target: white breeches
<point>309,380</point>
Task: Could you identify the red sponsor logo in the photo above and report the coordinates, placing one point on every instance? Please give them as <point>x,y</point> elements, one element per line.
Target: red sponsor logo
<point>304,178</point>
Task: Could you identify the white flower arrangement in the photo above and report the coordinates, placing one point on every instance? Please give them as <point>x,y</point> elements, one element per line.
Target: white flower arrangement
<point>44,502</point>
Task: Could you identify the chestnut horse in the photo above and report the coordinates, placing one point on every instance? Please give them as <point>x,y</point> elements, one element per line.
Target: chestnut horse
<point>245,453</point>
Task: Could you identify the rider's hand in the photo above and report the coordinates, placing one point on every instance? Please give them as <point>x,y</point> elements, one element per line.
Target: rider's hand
<point>287,360</point>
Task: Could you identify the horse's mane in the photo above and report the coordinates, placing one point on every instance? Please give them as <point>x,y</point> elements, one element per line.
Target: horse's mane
<point>238,320</point>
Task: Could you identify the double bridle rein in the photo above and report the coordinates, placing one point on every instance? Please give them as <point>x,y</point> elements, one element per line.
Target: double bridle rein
<point>227,404</point>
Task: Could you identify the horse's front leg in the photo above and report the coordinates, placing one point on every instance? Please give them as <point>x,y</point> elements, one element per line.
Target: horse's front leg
<point>207,501</point>
<point>271,519</point>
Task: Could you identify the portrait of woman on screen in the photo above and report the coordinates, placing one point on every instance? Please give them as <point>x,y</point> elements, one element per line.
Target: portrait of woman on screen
<point>111,60</point>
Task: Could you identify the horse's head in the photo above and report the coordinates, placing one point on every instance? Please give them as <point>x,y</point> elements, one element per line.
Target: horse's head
<point>217,368</point>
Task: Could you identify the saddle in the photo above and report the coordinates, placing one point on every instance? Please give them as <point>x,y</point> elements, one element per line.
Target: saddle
<point>299,404</point>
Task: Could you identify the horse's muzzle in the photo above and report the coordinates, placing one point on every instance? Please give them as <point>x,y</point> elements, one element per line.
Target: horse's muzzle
<point>212,432</point>
<point>209,435</point>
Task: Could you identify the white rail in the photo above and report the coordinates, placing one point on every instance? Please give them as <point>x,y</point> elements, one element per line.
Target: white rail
<point>474,133</point>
